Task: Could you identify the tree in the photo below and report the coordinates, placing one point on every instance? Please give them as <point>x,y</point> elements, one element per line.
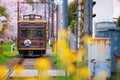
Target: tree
<point>72,8</point>
<point>29,0</point>
<point>72,24</point>
<point>5,23</point>
<point>32,1</point>
<point>118,22</point>
<point>3,11</point>
<point>3,14</point>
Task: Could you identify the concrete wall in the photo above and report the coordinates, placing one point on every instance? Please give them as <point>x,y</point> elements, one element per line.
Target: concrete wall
<point>114,35</point>
<point>99,56</point>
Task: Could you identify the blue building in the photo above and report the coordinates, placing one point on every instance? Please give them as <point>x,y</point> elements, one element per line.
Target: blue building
<point>105,30</point>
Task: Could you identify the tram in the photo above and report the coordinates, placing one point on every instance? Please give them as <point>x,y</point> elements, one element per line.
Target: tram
<point>31,35</point>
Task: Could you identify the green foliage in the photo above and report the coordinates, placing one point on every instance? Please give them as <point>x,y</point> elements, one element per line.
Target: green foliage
<point>7,54</point>
<point>58,63</point>
<point>39,0</point>
<point>3,59</point>
<point>72,24</point>
<point>3,11</point>
<point>118,22</point>
<point>29,1</point>
<point>71,10</point>
<point>5,47</point>
<point>48,45</point>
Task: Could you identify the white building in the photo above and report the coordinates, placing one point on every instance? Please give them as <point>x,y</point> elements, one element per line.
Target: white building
<point>116,8</point>
<point>106,11</point>
<point>103,10</point>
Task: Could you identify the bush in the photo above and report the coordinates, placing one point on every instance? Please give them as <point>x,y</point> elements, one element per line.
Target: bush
<point>72,24</point>
<point>118,22</point>
<point>29,0</point>
<point>3,11</point>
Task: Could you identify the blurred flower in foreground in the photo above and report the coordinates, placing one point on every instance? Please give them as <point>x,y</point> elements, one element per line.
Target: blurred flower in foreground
<point>71,69</point>
<point>42,64</point>
<point>101,76</point>
<point>18,70</point>
<point>30,78</point>
<point>82,74</point>
<point>3,72</point>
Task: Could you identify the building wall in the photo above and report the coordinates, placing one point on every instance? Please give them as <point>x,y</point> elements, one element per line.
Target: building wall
<point>99,56</point>
<point>114,34</point>
<point>103,10</point>
<point>116,8</point>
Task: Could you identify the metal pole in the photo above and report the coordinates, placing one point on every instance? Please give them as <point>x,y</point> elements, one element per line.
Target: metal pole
<point>63,15</point>
<point>57,22</point>
<point>52,23</point>
<point>90,16</point>
<point>18,10</point>
<point>45,10</point>
<point>62,18</point>
<point>77,25</point>
<point>49,27</point>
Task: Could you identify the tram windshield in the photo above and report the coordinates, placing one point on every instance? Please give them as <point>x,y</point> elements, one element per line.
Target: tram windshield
<point>40,32</point>
<point>23,32</point>
<point>32,32</point>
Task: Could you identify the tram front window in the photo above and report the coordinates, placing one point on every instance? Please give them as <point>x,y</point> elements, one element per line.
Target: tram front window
<point>40,32</point>
<point>23,32</point>
<point>32,32</point>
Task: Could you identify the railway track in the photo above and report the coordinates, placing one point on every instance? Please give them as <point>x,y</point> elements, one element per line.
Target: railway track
<point>27,64</point>
<point>11,65</point>
<point>29,70</point>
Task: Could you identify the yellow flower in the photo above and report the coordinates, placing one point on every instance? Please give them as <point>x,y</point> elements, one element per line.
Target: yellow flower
<point>83,73</point>
<point>18,70</point>
<point>3,72</point>
<point>30,78</point>
<point>102,74</point>
<point>42,64</point>
<point>62,34</point>
<point>71,69</point>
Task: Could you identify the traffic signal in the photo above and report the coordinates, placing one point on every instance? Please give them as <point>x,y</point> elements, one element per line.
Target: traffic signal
<point>94,15</point>
<point>93,4</point>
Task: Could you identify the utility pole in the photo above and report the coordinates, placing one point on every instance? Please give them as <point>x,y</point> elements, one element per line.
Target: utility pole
<point>84,26</point>
<point>80,23</point>
<point>62,15</point>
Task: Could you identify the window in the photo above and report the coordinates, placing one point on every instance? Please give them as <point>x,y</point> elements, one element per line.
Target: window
<point>32,32</point>
<point>23,32</point>
<point>40,32</point>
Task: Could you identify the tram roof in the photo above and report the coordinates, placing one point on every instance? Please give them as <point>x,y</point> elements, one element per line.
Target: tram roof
<point>35,20</point>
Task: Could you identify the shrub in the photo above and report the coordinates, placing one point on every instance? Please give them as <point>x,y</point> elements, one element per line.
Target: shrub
<point>118,22</point>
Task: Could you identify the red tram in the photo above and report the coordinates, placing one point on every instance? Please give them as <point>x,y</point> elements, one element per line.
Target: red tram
<point>31,35</point>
